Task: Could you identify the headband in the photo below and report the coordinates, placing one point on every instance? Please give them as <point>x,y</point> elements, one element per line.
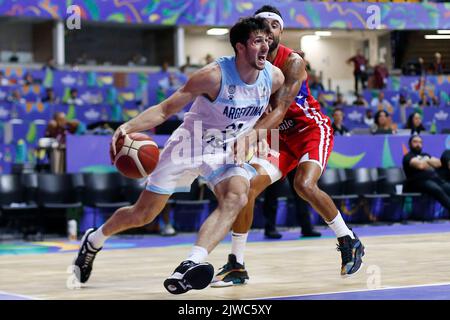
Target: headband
<point>271,15</point>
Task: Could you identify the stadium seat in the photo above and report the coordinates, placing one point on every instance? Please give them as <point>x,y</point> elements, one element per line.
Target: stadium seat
<point>103,191</point>
<point>57,191</point>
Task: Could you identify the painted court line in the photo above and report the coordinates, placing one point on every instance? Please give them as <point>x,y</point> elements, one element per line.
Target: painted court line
<point>14,296</point>
<point>322,295</point>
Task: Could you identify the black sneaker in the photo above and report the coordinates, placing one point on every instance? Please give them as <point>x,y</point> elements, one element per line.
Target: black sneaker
<point>85,258</point>
<point>189,275</point>
<point>352,251</point>
<point>272,234</point>
<point>231,274</point>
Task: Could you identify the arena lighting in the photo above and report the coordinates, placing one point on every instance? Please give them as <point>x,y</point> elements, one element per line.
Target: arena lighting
<point>443,31</point>
<point>323,33</point>
<point>311,37</point>
<point>437,36</point>
<point>217,32</point>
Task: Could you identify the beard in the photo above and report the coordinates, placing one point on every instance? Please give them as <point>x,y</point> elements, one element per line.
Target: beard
<point>274,45</point>
<point>416,150</point>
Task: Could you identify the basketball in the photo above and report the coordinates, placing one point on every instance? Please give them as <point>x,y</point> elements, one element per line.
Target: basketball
<point>137,155</point>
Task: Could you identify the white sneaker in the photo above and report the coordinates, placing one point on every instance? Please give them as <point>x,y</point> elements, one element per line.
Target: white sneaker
<point>168,230</point>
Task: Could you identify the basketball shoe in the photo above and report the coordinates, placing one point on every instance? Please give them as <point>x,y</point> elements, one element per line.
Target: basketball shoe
<point>231,274</point>
<point>189,275</point>
<point>352,251</point>
<point>85,258</point>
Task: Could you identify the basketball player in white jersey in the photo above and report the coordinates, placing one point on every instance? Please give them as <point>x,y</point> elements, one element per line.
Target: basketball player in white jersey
<point>229,95</point>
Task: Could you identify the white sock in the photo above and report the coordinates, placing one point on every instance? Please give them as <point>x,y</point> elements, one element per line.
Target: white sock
<point>339,227</point>
<point>97,238</point>
<point>238,242</point>
<point>198,254</point>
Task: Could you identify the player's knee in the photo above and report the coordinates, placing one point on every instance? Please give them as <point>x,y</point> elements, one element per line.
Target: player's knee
<point>305,188</point>
<point>235,202</point>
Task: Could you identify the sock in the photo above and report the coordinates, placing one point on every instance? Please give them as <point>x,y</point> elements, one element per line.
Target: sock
<point>238,242</point>
<point>339,227</point>
<point>198,254</point>
<point>97,238</point>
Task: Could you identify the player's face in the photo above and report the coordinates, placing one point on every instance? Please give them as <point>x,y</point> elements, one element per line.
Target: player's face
<point>257,49</point>
<point>274,37</point>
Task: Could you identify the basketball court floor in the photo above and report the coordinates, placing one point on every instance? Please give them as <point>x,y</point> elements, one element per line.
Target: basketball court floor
<point>409,261</point>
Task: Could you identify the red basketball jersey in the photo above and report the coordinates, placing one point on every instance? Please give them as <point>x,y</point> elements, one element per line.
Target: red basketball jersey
<point>304,110</point>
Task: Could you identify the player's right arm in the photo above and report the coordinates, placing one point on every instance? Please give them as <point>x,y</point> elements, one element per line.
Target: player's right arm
<point>205,81</point>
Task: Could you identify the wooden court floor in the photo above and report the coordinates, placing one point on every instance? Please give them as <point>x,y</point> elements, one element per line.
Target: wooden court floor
<point>276,269</point>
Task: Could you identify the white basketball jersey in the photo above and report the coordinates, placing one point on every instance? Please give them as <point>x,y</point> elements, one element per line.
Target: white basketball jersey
<point>238,105</point>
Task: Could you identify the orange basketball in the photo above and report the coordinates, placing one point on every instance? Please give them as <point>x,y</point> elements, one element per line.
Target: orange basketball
<point>136,155</point>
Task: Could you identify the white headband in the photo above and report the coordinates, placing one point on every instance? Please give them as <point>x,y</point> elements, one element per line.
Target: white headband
<point>271,15</point>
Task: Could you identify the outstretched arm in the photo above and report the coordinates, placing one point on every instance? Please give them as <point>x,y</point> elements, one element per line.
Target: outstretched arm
<point>206,81</point>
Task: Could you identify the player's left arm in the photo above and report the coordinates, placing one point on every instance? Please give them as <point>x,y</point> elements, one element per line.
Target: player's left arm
<point>294,71</point>
<point>434,162</point>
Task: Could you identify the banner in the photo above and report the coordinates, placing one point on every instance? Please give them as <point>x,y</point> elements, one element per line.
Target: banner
<point>297,14</point>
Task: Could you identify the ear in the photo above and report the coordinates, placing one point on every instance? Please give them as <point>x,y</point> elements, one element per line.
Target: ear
<point>240,47</point>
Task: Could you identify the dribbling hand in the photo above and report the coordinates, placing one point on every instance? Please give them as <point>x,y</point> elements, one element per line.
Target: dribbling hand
<point>117,134</point>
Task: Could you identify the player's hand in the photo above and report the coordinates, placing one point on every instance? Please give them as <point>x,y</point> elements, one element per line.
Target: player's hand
<point>245,147</point>
<point>117,134</point>
<point>263,149</point>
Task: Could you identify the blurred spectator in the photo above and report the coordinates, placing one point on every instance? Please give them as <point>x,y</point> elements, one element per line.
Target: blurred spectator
<point>209,58</point>
<point>438,65</point>
<point>28,80</point>
<point>369,120</point>
<point>338,120</point>
<point>315,84</point>
<point>421,68</point>
<point>444,171</point>
<point>14,58</point>
<point>170,82</point>
<point>403,104</point>
<point>50,97</point>
<point>415,123</point>
<point>360,101</point>
<point>50,64</point>
<point>270,207</point>
<point>59,127</point>
<point>380,103</point>
<point>421,173</point>
<point>383,123</point>
<point>359,69</point>
<point>308,65</point>
<point>15,97</point>
<point>183,74</point>
<point>165,67</point>
<point>381,75</point>
<point>138,60</point>
<point>427,101</point>
<point>3,80</point>
<point>340,102</point>
<point>73,98</point>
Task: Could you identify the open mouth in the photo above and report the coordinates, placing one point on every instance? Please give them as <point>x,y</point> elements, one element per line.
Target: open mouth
<point>262,58</point>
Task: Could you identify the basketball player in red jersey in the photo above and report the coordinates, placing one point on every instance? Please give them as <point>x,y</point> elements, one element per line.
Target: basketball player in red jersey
<point>306,141</point>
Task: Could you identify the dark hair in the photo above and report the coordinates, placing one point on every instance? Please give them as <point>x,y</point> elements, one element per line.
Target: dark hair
<point>377,115</point>
<point>411,139</point>
<point>409,122</point>
<point>242,30</point>
<point>336,110</point>
<point>267,8</point>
